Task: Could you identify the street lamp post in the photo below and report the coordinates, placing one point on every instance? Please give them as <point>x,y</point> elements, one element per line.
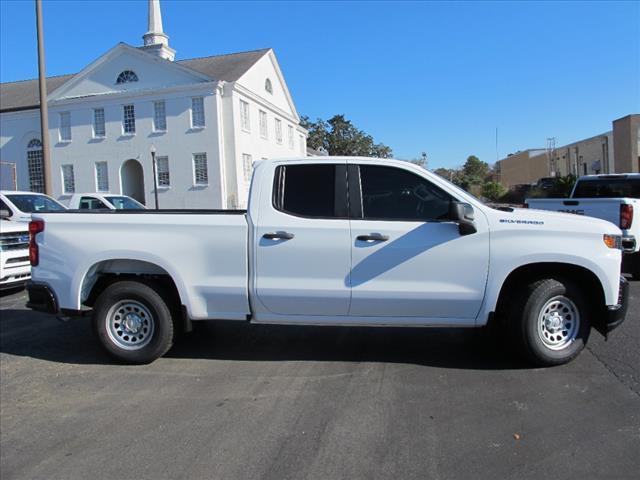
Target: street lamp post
<point>155,175</point>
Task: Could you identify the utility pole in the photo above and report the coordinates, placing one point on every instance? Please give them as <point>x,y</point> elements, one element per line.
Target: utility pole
<point>44,110</point>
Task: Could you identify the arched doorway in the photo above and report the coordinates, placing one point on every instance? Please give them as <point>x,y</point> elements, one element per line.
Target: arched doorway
<point>132,180</point>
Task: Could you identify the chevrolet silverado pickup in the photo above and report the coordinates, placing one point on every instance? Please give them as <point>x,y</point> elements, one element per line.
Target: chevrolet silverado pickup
<point>615,198</point>
<point>333,241</point>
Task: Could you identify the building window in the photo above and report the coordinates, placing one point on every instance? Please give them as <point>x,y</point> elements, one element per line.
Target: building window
<point>159,116</point>
<point>301,141</point>
<point>264,131</point>
<point>98,123</point>
<point>162,166</point>
<point>129,120</point>
<point>197,112</point>
<point>267,86</point>
<point>245,122</point>
<point>247,166</point>
<point>102,177</point>
<point>68,180</point>
<point>200,173</point>
<point>291,137</point>
<point>65,127</point>
<point>278,130</point>
<point>35,166</point>
<point>127,76</point>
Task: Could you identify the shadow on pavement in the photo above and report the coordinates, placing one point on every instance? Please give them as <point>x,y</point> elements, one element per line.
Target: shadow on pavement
<point>26,333</point>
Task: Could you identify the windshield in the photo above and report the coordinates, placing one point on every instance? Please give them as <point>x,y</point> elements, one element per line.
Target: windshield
<point>35,203</point>
<point>125,203</point>
<point>608,188</point>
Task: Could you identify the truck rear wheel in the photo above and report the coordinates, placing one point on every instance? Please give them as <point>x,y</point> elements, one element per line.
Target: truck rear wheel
<point>551,321</point>
<point>133,322</point>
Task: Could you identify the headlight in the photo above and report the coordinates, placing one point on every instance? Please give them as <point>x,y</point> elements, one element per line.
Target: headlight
<point>612,241</point>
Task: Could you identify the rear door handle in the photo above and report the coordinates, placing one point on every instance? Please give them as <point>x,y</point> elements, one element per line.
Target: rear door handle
<point>373,237</point>
<point>278,236</point>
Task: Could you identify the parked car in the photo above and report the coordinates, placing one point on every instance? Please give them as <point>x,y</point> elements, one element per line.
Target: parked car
<point>106,201</point>
<point>334,241</point>
<point>615,198</point>
<point>21,205</point>
<point>15,268</point>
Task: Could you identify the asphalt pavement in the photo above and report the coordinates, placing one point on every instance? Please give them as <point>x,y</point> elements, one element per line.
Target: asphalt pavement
<point>239,401</point>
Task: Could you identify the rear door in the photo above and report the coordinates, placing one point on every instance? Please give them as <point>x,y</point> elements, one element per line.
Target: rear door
<point>408,259</point>
<point>302,242</point>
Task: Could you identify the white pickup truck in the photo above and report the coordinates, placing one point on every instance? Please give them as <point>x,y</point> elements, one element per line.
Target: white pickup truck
<point>333,241</point>
<point>615,198</point>
<point>103,201</point>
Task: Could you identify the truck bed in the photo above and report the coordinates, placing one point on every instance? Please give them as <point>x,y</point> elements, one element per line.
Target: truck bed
<point>207,247</point>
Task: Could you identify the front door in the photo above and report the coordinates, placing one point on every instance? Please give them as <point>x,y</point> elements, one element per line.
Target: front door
<point>302,243</point>
<point>408,260</point>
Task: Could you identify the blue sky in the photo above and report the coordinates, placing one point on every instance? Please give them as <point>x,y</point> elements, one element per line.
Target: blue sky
<point>418,76</point>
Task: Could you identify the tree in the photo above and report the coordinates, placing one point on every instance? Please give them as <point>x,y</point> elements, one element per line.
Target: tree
<point>340,136</point>
<point>493,191</point>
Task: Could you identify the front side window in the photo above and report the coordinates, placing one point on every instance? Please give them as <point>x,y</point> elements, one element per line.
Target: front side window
<point>124,203</point>
<point>390,193</point>
<point>306,190</point>
<point>162,165</point>
<point>245,121</point>
<point>159,116</point>
<point>129,120</point>
<point>247,166</point>
<point>35,166</point>
<point>200,172</point>
<point>102,177</point>
<point>197,112</point>
<point>264,132</point>
<point>278,130</point>
<point>68,179</point>
<point>65,126</point>
<point>99,130</point>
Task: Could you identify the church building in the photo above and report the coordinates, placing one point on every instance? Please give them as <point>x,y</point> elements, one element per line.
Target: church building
<point>206,120</point>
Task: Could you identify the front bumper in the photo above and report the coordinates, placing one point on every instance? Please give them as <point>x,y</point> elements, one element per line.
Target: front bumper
<point>615,314</point>
<point>628,244</point>
<point>41,298</point>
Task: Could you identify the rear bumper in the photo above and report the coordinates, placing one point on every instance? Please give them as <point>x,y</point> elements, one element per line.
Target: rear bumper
<point>615,314</point>
<point>41,298</point>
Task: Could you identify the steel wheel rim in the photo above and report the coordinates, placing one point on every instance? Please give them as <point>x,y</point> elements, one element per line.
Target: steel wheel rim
<point>130,324</point>
<point>558,323</point>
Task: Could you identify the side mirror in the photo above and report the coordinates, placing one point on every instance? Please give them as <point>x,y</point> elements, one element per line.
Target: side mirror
<point>463,215</point>
<point>4,213</point>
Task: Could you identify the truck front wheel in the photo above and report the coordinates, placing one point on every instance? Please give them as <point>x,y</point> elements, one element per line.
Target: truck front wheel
<point>551,321</point>
<point>133,322</point>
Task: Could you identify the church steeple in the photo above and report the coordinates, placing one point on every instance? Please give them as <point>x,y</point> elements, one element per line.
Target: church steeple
<point>155,40</point>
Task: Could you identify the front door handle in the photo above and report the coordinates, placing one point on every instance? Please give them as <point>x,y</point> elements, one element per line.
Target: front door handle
<point>373,237</point>
<point>278,236</point>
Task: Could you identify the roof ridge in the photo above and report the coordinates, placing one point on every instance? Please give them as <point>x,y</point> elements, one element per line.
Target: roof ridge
<point>226,54</point>
<point>33,79</point>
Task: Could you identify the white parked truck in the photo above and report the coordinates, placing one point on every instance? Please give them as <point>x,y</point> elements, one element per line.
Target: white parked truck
<point>15,268</point>
<point>333,241</point>
<point>103,201</point>
<point>615,198</point>
<point>18,206</point>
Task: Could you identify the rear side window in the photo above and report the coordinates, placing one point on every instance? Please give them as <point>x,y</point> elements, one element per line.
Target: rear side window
<point>89,203</point>
<point>390,193</point>
<point>608,188</point>
<point>310,191</point>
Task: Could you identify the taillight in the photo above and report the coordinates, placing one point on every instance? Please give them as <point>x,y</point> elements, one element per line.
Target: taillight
<point>626,216</point>
<point>35,227</point>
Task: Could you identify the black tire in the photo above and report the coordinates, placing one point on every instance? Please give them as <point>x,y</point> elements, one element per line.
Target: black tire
<point>527,331</point>
<point>145,305</point>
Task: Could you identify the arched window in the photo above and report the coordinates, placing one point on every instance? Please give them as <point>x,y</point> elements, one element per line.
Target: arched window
<point>127,76</point>
<point>267,86</point>
<point>35,165</point>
